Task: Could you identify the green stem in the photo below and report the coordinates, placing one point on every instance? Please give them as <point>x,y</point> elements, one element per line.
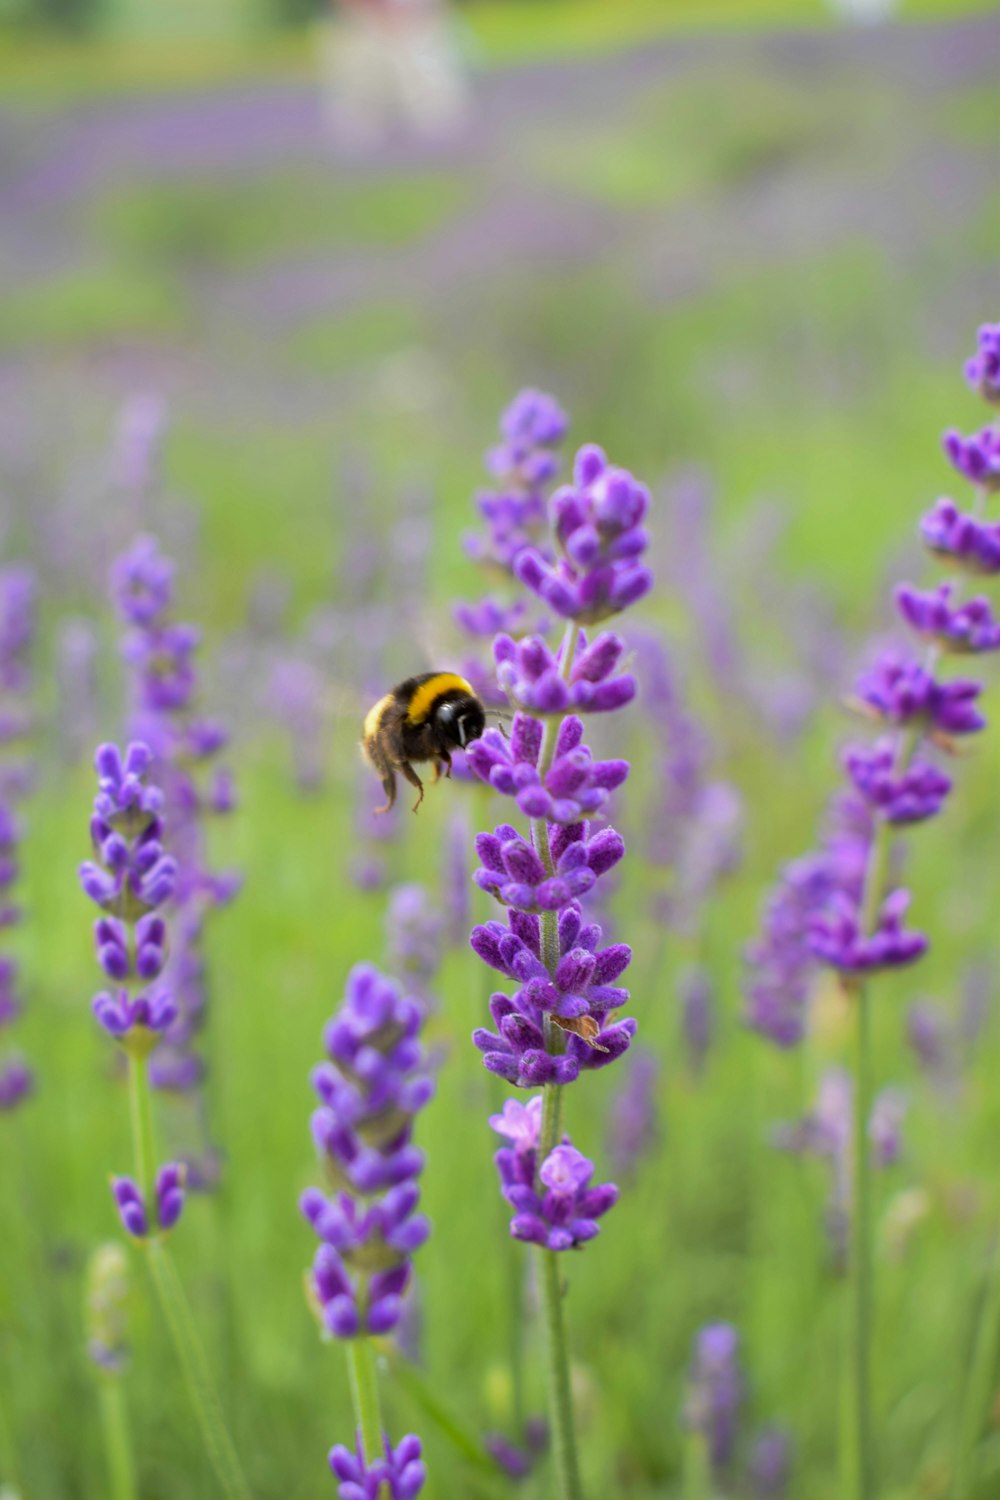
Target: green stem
<point>117,1438</point>
<point>184,1331</point>
<point>697,1468</point>
<point>141,1113</point>
<point>560,1393</point>
<point>364,1394</point>
<point>979,1384</point>
<point>861,1259</point>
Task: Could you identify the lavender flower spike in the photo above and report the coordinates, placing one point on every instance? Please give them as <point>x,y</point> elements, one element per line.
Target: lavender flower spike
<point>598,525</point>
<point>562,1213</point>
<point>129,878</point>
<point>399,1475</point>
<point>982,371</point>
<point>370,1090</point>
<point>715,1391</point>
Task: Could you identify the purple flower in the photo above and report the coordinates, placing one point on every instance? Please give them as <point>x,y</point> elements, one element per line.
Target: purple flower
<point>415,936</point>
<point>130,878</point>
<point>697,997</point>
<point>963,627</point>
<point>530,674</point>
<point>982,371</point>
<point>633,1125</point>
<point>598,526</point>
<point>350,1307</point>
<point>573,788</point>
<point>122,1014</point>
<point>491,616</point>
<point>142,582</point>
<point>514,873</point>
<point>17,1083</point>
<point>715,1391</point>
<point>905,796</point>
<point>961,540</point>
<point>161,656</point>
<point>903,692</point>
<point>370,1090</point>
<point>770,1464</point>
<point>885,1126</point>
<point>524,463</point>
<point>376,1237</point>
<point>837,939</point>
<point>168,1201</point>
<point>399,1475</point>
<point>533,424</point>
<point>582,982</point>
<point>782,963</point>
<point>976,457</point>
<point>562,1214</point>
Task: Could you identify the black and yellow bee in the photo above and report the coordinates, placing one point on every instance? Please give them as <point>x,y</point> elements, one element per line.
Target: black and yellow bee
<point>424,718</point>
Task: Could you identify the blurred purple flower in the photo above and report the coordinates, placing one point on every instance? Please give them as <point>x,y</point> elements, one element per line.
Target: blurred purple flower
<point>962,627</point>
<point>982,371</point>
<point>961,540</point>
<point>976,457</point>
<point>633,1120</point>
<point>715,1392</point>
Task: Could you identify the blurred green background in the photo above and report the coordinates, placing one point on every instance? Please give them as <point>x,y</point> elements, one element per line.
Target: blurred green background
<point>746,236</point>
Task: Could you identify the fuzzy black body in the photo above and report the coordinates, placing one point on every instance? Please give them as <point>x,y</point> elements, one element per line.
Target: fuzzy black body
<point>425,718</point>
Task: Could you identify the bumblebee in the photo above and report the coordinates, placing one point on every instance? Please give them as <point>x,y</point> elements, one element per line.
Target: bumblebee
<point>425,718</point>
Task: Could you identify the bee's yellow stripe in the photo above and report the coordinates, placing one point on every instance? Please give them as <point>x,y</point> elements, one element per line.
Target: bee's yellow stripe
<point>441,682</point>
<point>373,716</point>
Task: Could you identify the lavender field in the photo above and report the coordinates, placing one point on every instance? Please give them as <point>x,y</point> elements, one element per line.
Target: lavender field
<point>624,1122</point>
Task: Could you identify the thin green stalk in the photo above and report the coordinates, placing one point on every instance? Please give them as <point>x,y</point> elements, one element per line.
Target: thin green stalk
<point>697,1468</point>
<point>184,1331</point>
<point>860,1452</point>
<point>979,1384</point>
<point>141,1114</point>
<point>560,1392</point>
<point>364,1395</point>
<point>117,1438</point>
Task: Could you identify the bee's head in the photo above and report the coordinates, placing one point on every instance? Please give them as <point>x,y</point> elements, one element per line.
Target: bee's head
<point>460,721</point>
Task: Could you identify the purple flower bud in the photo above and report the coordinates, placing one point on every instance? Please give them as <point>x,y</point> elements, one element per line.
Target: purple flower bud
<point>963,628</point>
<point>903,692</point>
<point>983,370</point>
<point>976,457</point>
<point>142,582</point>
<point>911,796</point>
<point>531,676</point>
<point>399,1475</point>
<point>837,939</point>
<point>961,540</point>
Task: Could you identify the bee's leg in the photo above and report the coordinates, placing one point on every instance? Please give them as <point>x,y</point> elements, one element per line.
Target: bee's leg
<point>389,787</point>
<point>435,773</point>
<point>414,780</point>
<point>446,760</point>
